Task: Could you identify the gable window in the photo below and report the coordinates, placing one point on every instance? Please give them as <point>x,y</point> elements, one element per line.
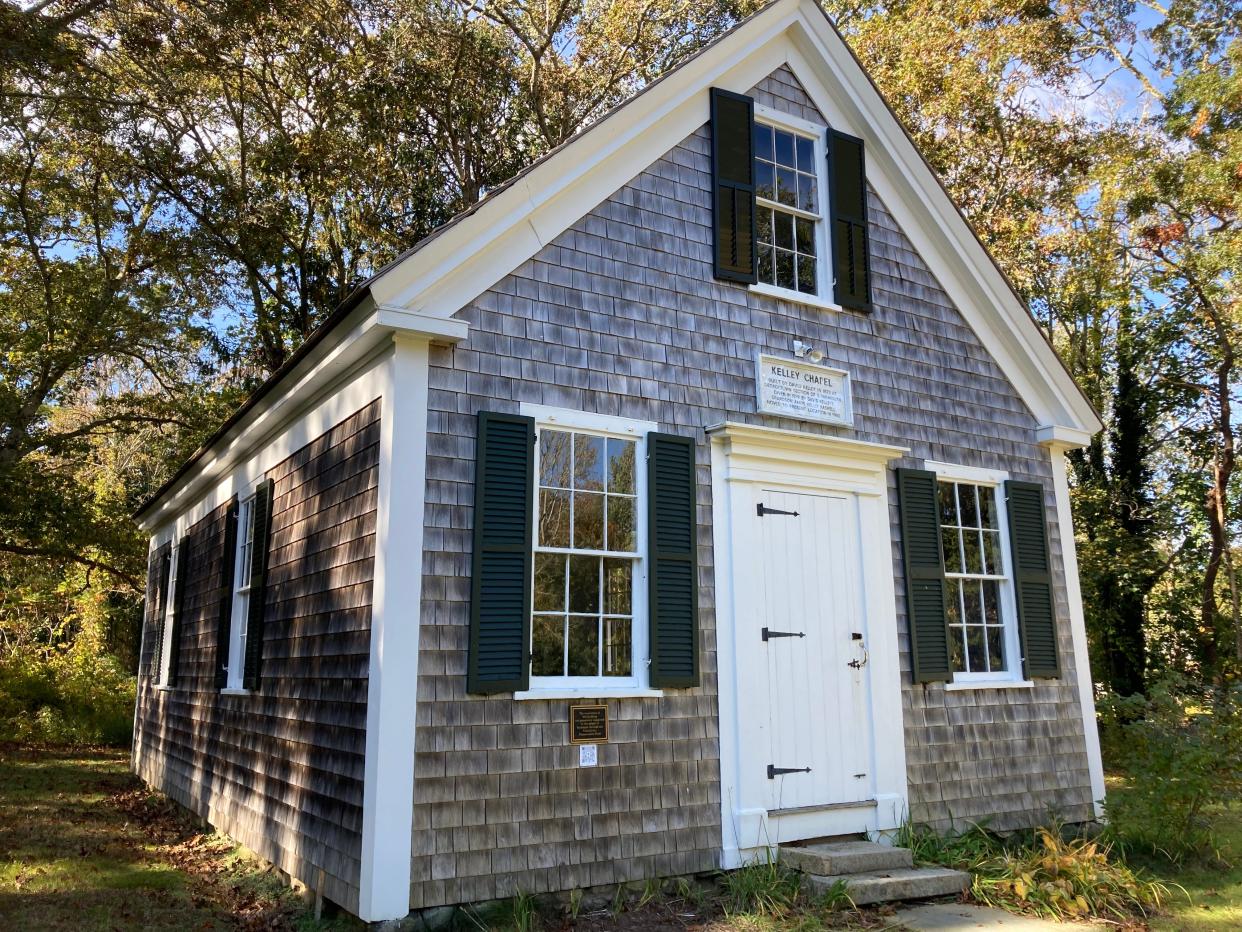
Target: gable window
<point>979,606</point>
<point>789,229</point>
<point>242,570</point>
<point>587,554</point>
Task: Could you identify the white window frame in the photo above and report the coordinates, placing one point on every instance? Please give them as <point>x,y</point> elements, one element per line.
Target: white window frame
<point>995,480</point>
<point>638,683</point>
<point>236,668</point>
<point>170,601</point>
<point>822,298</point>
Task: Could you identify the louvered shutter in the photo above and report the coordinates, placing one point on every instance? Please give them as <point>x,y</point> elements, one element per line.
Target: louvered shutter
<point>151,603</point>
<point>500,588</point>
<point>224,620</point>
<point>253,669</point>
<point>672,570</point>
<point>733,186</point>
<point>1032,578</point>
<point>924,570</point>
<point>165,558</point>
<point>178,618</point>
<point>847,186</point>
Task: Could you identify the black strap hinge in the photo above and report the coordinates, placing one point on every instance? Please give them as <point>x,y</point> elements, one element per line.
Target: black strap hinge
<point>761,509</point>
<point>774,772</point>
<point>768,634</point>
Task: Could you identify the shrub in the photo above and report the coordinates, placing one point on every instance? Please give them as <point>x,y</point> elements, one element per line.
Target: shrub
<point>1064,879</point>
<point>76,697</point>
<point>1038,872</point>
<point>1182,753</point>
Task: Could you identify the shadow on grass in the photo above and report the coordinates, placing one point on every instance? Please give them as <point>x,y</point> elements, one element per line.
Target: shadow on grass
<point>86,847</point>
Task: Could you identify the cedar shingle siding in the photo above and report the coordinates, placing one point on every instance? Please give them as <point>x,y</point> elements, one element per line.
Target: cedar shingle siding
<point>281,770</point>
<point>621,315</point>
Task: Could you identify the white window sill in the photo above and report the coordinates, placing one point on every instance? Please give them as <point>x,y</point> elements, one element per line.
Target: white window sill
<point>163,688</point>
<point>795,297</point>
<point>234,691</point>
<point>591,692</point>
<point>958,685</point>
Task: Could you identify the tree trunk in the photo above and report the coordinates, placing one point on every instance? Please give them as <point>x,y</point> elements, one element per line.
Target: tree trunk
<point>1217,500</point>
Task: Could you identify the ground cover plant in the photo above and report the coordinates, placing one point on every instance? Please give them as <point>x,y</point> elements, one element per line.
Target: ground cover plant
<point>1047,872</point>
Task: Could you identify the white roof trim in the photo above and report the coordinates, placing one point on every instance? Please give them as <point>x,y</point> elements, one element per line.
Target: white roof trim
<point>512,225</point>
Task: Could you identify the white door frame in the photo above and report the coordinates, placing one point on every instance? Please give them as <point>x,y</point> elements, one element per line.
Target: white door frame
<point>744,456</point>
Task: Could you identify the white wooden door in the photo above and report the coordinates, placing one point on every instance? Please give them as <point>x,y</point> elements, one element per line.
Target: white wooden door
<point>814,667</point>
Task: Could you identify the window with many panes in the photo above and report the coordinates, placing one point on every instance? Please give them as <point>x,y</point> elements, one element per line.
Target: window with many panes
<point>587,557</point>
<point>982,632</point>
<point>788,231</point>
<point>241,593</point>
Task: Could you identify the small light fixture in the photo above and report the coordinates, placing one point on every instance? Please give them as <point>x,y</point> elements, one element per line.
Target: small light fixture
<point>806,350</point>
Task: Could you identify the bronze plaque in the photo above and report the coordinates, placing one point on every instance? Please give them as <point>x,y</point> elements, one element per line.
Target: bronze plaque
<point>588,724</point>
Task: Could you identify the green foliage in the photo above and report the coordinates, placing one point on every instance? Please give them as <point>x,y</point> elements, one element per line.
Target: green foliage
<point>763,887</point>
<point>835,897</point>
<point>525,912</point>
<point>61,676</point>
<point>80,697</point>
<point>954,849</point>
<point>1182,754</point>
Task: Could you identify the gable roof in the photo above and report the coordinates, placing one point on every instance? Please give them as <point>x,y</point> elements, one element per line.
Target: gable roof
<point>441,274</point>
<point>448,270</point>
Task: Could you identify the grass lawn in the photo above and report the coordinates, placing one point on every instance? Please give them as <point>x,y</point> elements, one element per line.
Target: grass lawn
<point>84,847</point>
<point>1215,891</point>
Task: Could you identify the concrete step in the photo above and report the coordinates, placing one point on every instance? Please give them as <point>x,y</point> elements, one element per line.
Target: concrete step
<point>845,857</point>
<point>888,886</point>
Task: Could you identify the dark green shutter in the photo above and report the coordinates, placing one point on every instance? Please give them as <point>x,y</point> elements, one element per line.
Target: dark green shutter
<point>924,569</point>
<point>164,566</point>
<point>500,587</point>
<point>253,668</point>
<point>224,620</point>
<point>178,618</point>
<point>733,186</point>
<point>847,187</point>
<point>1032,578</point>
<point>672,571</point>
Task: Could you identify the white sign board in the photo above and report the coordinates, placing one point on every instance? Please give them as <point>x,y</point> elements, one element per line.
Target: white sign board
<point>803,390</point>
<point>588,755</point>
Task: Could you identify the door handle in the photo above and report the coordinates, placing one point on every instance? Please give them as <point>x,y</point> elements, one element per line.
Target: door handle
<point>859,664</point>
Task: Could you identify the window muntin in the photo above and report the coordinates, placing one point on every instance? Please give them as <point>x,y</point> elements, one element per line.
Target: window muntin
<point>787,213</point>
<point>977,586</point>
<point>241,593</point>
<point>586,556</point>
<point>168,606</point>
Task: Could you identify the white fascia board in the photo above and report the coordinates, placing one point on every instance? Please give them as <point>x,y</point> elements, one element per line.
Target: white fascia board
<point>333,362</point>
<point>927,216</point>
<point>1059,438</point>
<point>515,223</point>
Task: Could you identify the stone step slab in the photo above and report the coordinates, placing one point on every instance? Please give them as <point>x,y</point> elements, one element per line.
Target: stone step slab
<point>845,857</point>
<point>888,886</point>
